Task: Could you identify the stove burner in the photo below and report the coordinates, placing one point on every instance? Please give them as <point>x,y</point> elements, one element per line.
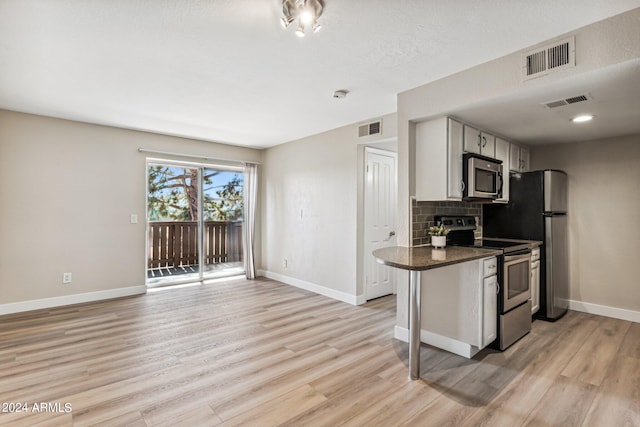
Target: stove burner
<point>505,245</point>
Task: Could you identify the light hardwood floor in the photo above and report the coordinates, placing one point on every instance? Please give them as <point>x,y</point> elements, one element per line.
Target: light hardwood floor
<point>262,353</point>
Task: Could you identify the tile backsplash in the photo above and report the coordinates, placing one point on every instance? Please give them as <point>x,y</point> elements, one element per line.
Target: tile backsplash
<point>423,217</point>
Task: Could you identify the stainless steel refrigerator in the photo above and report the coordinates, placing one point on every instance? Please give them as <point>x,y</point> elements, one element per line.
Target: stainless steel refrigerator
<point>537,210</point>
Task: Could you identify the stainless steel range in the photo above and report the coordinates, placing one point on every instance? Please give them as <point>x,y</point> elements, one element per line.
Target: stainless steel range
<point>514,277</point>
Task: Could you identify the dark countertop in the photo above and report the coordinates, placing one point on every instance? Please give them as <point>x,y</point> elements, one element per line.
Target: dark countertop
<point>426,257</point>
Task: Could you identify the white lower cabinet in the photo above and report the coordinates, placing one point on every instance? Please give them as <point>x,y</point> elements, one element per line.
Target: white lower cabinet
<point>535,280</point>
<point>459,307</point>
<point>490,312</point>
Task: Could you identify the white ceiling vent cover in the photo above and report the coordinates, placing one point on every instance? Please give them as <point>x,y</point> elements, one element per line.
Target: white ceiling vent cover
<point>567,101</point>
<point>544,60</point>
<point>369,129</point>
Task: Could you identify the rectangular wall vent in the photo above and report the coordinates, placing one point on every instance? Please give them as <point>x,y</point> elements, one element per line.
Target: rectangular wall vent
<point>554,104</point>
<point>566,101</point>
<point>536,63</point>
<point>368,129</point>
<point>575,99</point>
<point>541,61</point>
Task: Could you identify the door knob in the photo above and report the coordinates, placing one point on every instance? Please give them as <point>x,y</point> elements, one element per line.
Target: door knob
<point>391,234</point>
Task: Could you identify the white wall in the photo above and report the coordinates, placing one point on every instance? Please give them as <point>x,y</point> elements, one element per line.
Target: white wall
<point>604,230</point>
<point>67,190</point>
<point>311,210</point>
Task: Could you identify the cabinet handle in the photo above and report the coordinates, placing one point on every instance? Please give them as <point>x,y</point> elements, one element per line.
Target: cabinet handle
<point>484,143</point>
<point>462,186</point>
<point>479,140</point>
<point>497,288</point>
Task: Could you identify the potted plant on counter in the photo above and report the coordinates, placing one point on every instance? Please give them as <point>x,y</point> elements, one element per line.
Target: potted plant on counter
<point>438,235</point>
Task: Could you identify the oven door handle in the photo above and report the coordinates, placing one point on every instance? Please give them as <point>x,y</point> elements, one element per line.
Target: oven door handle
<point>519,255</point>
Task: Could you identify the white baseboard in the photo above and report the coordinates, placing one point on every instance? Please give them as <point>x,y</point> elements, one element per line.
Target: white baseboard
<point>603,310</point>
<point>315,288</point>
<point>449,344</point>
<point>39,304</point>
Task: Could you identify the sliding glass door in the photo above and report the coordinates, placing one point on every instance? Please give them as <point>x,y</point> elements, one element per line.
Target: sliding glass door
<point>194,223</point>
<point>222,222</point>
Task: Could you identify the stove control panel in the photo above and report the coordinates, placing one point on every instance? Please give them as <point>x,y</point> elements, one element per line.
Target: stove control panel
<point>457,222</point>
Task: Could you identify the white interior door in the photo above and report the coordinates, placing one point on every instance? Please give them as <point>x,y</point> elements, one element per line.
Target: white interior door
<point>380,219</point>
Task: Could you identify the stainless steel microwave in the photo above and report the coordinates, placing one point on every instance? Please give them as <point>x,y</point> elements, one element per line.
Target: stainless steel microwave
<point>481,177</point>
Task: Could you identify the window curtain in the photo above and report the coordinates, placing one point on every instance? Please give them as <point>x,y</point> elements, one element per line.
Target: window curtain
<point>250,198</point>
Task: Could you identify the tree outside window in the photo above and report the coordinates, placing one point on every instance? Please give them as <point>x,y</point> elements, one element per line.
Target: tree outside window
<point>173,194</point>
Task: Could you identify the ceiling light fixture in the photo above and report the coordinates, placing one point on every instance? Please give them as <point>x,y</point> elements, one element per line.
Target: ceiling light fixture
<point>306,12</point>
<point>582,119</point>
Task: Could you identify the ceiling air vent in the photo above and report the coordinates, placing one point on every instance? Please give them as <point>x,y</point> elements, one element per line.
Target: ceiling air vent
<point>566,101</point>
<point>368,129</point>
<point>575,99</point>
<point>543,60</point>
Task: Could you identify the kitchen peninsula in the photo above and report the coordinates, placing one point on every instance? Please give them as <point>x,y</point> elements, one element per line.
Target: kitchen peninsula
<point>416,260</point>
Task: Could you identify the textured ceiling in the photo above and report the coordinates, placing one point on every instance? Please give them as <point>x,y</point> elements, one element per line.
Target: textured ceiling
<point>224,70</point>
<point>613,97</point>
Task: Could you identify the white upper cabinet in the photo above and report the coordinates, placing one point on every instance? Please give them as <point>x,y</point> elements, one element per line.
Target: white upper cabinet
<point>524,158</point>
<point>502,153</point>
<point>454,159</point>
<point>514,158</point>
<point>476,141</point>
<point>519,158</point>
<point>472,139</point>
<point>440,144</point>
<point>439,147</point>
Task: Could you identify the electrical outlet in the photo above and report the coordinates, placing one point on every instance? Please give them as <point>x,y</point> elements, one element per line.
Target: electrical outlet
<point>66,277</point>
<point>134,219</point>
<point>285,263</point>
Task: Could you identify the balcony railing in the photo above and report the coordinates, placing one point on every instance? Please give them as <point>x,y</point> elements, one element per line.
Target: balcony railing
<point>175,244</point>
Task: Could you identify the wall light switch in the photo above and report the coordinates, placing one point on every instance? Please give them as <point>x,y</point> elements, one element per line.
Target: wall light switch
<point>66,277</point>
<point>134,219</point>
